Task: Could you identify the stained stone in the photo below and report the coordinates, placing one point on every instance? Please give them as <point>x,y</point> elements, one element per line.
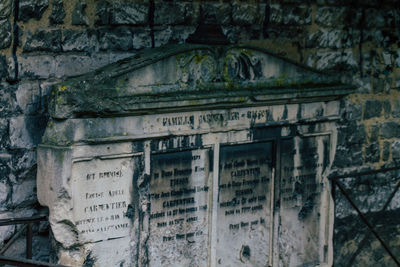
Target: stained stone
<point>151,169</point>
<point>32,9</point>
<point>57,13</point>
<point>5,33</point>
<point>5,8</point>
<point>373,108</point>
<point>79,16</point>
<point>127,13</point>
<point>43,40</point>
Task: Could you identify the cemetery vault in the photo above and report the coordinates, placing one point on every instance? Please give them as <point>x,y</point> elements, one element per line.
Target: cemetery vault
<point>192,155</point>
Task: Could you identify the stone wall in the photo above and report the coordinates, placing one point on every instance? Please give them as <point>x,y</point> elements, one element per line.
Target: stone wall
<point>45,41</point>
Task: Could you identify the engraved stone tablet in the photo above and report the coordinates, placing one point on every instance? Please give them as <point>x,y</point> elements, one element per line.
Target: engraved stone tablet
<point>179,194</point>
<point>303,161</point>
<point>101,193</point>
<point>243,226</point>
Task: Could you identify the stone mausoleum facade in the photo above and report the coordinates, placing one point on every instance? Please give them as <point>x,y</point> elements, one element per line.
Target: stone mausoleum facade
<point>45,44</point>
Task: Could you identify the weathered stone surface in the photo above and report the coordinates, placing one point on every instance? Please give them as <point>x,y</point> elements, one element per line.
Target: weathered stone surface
<point>244,14</point>
<point>221,11</point>
<point>72,65</point>
<point>372,153</point>
<point>58,12</point>
<point>103,12</point>
<point>387,108</point>
<point>40,66</point>
<point>43,40</point>
<point>29,98</point>
<point>26,131</point>
<point>324,38</point>
<point>116,39</point>
<point>3,67</point>
<point>337,16</point>
<point>184,12</point>
<point>352,111</point>
<point>4,140</point>
<point>396,150</point>
<point>5,8</point>
<point>374,133</point>
<point>24,193</point>
<point>374,18</point>
<point>338,61</point>
<point>396,109</point>
<point>131,13</point>
<point>141,38</point>
<point>5,33</point>
<point>32,9</point>
<point>390,129</point>
<point>290,14</point>
<point>386,151</point>
<point>172,35</point>
<point>373,108</point>
<point>8,106</point>
<point>78,40</point>
<point>79,16</point>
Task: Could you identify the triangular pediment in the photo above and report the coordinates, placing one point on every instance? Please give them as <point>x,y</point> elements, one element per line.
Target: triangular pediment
<point>182,77</point>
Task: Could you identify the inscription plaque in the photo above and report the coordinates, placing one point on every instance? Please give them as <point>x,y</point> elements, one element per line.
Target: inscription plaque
<point>244,216</point>
<point>303,161</point>
<point>179,194</point>
<point>101,193</point>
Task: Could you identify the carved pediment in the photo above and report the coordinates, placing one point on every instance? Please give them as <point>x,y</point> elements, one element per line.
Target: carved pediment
<point>182,77</point>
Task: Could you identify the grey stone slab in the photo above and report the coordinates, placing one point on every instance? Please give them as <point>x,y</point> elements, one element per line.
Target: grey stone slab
<point>179,213</point>
<point>244,204</point>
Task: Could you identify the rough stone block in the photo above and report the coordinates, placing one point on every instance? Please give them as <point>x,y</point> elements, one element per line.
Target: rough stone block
<point>26,131</point>
<point>141,38</point>
<point>40,66</point>
<point>374,133</point>
<point>8,105</point>
<point>396,150</point>
<point>290,14</point>
<point>130,13</point>
<point>396,109</point>
<point>353,111</point>
<point>324,38</point>
<point>28,97</point>
<point>373,108</point>
<point>337,16</point>
<point>3,67</point>
<point>244,14</point>
<point>5,8</point>
<point>72,65</point>
<point>335,60</point>
<point>57,12</point>
<point>4,140</point>
<point>5,166</point>
<point>387,108</point>
<point>386,151</point>
<point>103,13</point>
<point>172,35</point>
<point>183,13</point>
<point>32,9</point>
<point>6,231</point>
<point>374,18</point>
<point>5,33</point>
<point>24,193</point>
<point>43,40</point>
<point>116,39</point>
<point>221,11</point>
<point>78,40</point>
<point>390,129</point>
<point>79,16</point>
<point>372,153</point>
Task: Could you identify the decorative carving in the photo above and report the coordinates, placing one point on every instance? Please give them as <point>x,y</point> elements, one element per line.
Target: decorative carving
<point>197,67</point>
<point>242,65</point>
